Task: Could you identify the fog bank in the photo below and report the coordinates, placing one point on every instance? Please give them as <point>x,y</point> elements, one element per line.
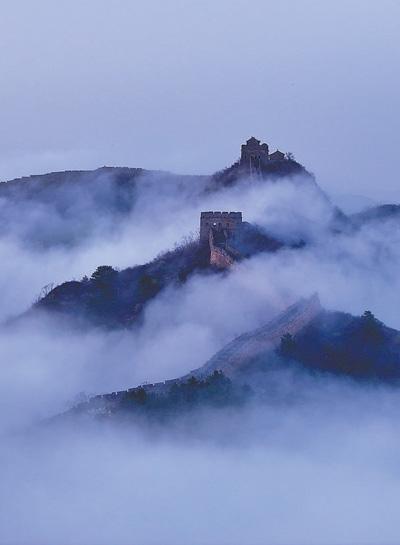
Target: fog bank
<point>321,470</point>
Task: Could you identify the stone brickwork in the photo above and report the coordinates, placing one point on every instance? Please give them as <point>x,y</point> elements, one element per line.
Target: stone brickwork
<point>219,256</point>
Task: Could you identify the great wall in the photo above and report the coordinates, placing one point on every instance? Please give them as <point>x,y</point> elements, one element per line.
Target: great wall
<point>232,358</point>
<point>255,155</point>
<point>216,230</point>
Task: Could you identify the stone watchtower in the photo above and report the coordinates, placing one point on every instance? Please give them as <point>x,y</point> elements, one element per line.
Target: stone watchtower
<point>254,154</point>
<point>219,221</point>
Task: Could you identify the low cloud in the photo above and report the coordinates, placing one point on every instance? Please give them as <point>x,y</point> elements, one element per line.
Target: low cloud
<point>319,470</point>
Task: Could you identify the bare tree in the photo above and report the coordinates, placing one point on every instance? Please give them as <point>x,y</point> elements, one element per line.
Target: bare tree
<point>44,292</point>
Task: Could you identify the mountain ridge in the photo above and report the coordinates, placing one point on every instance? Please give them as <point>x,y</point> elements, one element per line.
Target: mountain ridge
<point>230,359</point>
<point>274,347</point>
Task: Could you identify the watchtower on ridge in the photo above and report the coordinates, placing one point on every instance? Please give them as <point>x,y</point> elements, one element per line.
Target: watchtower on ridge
<point>255,155</point>
<point>219,221</point>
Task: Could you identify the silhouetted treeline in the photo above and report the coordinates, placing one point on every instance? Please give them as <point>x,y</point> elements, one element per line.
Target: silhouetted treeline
<point>360,347</point>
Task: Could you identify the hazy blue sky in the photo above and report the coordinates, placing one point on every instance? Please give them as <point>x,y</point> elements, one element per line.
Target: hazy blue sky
<point>178,85</point>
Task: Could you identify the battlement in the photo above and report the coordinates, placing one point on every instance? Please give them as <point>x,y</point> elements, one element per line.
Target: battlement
<point>221,221</point>
<point>236,215</point>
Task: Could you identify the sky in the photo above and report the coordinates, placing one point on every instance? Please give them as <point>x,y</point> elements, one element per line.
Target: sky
<point>179,85</point>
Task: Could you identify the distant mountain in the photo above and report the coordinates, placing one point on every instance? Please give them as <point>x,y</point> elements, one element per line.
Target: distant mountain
<point>351,204</point>
<point>62,188</point>
<point>64,208</point>
<point>377,214</point>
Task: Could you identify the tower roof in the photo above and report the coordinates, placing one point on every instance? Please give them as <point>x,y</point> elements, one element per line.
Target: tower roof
<point>252,140</point>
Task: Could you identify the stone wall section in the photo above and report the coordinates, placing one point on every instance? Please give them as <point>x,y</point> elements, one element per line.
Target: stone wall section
<point>219,257</point>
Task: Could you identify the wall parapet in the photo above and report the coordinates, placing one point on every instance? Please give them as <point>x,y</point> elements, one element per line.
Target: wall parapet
<point>228,221</point>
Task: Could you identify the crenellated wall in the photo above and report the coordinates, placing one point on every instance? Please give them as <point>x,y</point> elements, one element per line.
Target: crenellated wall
<point>219,220</point>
